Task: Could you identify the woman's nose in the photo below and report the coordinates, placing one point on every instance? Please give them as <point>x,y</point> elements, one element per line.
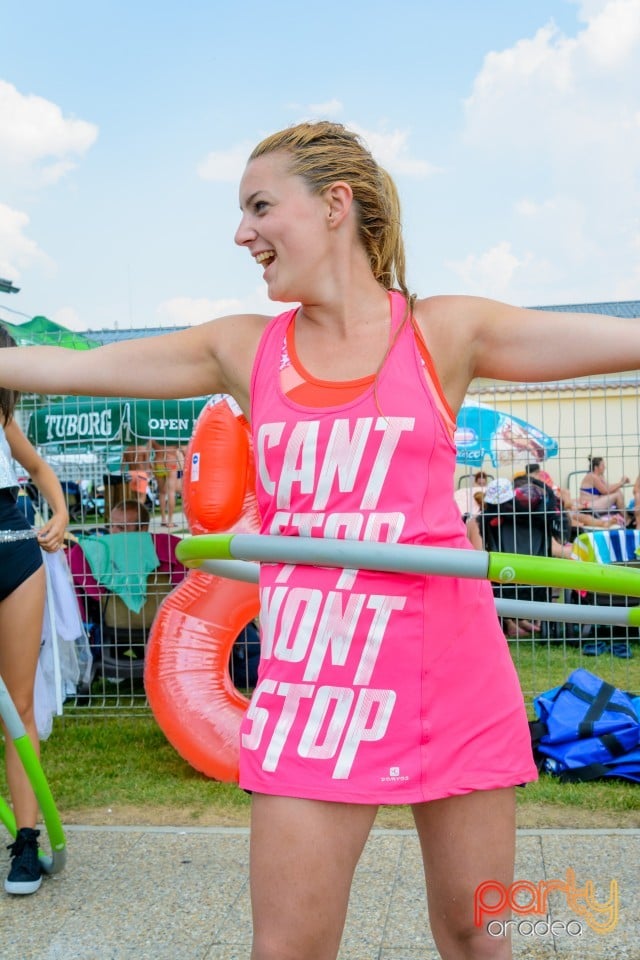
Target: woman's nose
<point>245,233</point>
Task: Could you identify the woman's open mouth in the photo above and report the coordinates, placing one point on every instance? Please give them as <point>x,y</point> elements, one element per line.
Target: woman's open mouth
<point>266,257</point>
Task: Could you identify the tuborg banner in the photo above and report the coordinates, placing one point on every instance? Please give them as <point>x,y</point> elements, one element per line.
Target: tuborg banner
<point>96,421</point>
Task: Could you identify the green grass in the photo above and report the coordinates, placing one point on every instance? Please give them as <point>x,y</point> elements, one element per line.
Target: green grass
<point>543,665</point>
<point>597,797</point>
<point>105,763</point>
<point>122,769</point>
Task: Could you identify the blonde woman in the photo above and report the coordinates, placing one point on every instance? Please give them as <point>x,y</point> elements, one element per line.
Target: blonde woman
<point>373,688</point>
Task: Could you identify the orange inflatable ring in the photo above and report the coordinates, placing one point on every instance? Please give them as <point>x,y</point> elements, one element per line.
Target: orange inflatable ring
<point>186,677</point>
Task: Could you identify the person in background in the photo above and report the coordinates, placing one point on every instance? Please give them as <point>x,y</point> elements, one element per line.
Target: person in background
<point>22,600</point>
<point>136,466</point>
<point>473,533</point>
<point>480,479</point>
<point>374,688</point>
<point>535,473</point>
<point>579,518</point>
<point>166,463</point>
<point>599,496</point>
<point>127,516</point>
<point>469,498</point>
<point>635,504</point>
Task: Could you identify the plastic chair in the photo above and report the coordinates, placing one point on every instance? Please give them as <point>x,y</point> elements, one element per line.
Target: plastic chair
<point>124,633</point>
<point>509,528</point>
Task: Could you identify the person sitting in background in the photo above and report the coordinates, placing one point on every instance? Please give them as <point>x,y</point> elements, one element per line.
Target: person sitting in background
<point>520,517</point>
<point>535,473</point>
<point>597,495</point>
<point>128,516</point>
<point>578,518</point>
<point>635,503</point>
<point>469,498</point>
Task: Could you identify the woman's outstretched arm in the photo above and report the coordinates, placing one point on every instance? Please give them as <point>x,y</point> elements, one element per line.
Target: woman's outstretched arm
<point>473,337</point>
<point>213,357</point>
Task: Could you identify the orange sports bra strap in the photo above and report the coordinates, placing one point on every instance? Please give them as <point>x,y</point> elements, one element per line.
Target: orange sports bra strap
<point>430,369</point>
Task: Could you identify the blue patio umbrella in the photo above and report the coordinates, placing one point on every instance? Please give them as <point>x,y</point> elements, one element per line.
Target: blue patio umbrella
<point>482,431</point>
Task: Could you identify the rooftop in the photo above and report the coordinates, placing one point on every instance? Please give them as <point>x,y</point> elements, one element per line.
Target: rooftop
<point>620,308</point>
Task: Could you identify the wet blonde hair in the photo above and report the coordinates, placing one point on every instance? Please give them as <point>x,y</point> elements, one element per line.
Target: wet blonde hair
<point>322,152</point>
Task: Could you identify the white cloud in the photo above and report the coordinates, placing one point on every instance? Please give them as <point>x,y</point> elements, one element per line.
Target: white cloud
<point>36,139</point>
<point>17,250</point>
<point>589,8</point>
<point>556,118</point>
<point>225,166</point>
<point>613,33</point>
<point>324,110</point>
<point>69,318</point>
<point>189,311</point>
<point>328,110</point>
<point>613,28</point>
<point>391,150</point>
<point>627,286</point>
<point>526,207</point>
<point>556,94</point>
<point>490,273</point>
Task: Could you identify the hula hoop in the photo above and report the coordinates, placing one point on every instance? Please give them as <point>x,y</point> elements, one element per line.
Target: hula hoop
<point>33,769</point>
<point>220,553</point>
<point>248,572</point>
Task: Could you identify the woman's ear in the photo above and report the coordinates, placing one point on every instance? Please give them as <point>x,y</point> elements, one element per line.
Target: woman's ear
<point>339,199</point>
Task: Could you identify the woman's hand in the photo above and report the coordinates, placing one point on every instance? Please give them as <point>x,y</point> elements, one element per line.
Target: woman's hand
<point>51,535</point>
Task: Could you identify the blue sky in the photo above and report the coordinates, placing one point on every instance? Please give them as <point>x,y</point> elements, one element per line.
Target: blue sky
<point>512,128</point>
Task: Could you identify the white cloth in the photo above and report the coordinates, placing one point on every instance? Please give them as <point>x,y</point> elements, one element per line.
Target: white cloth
<point>65,656</point>
<point>8,476</point>
<point>467,503</point>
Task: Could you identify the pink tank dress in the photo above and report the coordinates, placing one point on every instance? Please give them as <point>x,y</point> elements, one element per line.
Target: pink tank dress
<point>373,687</point>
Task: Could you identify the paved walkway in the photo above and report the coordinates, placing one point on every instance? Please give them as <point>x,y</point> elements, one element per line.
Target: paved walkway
<point>153,893</point>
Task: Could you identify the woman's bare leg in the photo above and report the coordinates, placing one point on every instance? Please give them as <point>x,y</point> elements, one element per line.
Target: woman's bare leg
<point>465,841</point>
<point>172,482</point>
<point>161,485</point>
<point>606,501</point>
<point>303,857</point>
<point>21,616</point>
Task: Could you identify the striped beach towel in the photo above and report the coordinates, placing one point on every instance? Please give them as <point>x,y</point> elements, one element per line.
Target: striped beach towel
<point>607,546</point>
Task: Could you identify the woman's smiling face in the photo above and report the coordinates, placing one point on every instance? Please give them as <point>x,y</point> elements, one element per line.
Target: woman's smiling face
<point>283,226</point>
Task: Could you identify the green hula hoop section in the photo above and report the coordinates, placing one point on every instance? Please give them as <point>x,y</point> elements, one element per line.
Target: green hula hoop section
<point>38,781</point>
<point>412,558</point>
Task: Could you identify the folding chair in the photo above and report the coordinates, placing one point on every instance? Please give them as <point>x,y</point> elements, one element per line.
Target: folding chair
<point>124,632</point>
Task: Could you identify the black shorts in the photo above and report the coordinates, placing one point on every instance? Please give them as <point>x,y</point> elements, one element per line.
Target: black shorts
<point>19,559</point>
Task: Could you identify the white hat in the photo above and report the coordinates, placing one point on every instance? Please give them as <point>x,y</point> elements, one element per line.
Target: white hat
<point>499,491</point>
